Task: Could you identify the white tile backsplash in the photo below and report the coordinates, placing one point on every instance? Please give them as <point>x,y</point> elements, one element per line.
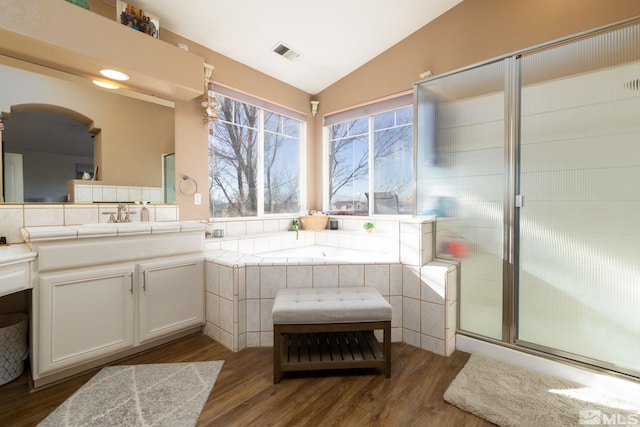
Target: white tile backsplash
<point>11,220</point>
<point>236,228</point>
<point>254,227</point>
<point>83,214</point>
<point>109,193</point>
<point>40,215</point>
<point>122,194</point>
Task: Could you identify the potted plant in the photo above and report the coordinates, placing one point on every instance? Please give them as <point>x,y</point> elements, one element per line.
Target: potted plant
<point>368,227</point>
<point>294,227</point>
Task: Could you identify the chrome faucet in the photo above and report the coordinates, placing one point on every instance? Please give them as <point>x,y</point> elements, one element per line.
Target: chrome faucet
<point>123,213</point>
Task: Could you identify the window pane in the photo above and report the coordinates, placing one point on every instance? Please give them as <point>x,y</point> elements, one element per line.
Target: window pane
<point>391,140</point>
<point>384,120</point>
<point>349,167</point>
<point>233,155</point>
<point>393,160</point>
<point>272,122</point>
<point>291,127</point>
<point>281,165</point>
<point>404,116</point>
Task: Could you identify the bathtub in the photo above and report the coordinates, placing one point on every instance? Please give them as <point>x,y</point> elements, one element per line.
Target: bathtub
<point>328,253</point>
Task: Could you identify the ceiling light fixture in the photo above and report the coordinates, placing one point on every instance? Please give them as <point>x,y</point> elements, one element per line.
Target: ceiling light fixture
<point>105,85</point>
<point>114,74</point>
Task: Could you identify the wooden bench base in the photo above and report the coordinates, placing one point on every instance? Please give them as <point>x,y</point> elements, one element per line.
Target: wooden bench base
<point>305,347</point>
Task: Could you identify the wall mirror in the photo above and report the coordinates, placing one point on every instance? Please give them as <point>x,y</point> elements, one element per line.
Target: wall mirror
<point>60,127</point>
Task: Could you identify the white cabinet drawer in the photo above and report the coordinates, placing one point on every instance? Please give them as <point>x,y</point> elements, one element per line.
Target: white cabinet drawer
<point>14,278</point>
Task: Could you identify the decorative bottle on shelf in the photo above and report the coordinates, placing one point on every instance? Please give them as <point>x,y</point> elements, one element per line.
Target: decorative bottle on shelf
<point>144,213</point>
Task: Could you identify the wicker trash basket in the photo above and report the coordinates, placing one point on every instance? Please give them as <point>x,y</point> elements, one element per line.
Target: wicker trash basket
<point>314,222</point>
<point>13,346</point>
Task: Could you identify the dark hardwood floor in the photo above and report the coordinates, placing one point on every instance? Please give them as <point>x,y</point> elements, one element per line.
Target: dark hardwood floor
<point>245,395</point>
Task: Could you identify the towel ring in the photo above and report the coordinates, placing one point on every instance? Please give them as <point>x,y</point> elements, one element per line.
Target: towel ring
<point>186,178</point>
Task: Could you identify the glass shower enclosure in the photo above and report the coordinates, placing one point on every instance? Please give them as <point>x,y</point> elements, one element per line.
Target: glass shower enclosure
<point>531,164</point>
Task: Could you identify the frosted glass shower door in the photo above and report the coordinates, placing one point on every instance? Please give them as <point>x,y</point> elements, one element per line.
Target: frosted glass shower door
<point>579,252</point>
<point>460,171</point>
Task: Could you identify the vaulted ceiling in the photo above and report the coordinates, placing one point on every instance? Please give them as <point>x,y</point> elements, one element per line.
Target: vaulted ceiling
<point>332,37</point>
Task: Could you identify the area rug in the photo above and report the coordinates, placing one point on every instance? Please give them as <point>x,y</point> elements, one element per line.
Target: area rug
<point>167,394</point>
<point>509,395</point>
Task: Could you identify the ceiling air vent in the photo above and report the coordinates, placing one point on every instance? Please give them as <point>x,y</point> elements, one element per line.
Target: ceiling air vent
<point>285,51</point>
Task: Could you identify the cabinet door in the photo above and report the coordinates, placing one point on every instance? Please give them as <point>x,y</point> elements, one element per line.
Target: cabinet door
<point>84,315</point>
<point>171,296</point>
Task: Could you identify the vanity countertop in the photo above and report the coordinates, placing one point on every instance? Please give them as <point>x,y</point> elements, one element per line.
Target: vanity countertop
<point>67,232</point>
<point>13,253</point>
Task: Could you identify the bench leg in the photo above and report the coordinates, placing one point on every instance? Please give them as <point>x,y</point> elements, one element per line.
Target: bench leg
<point>277,373</point>
<point>387,349</point>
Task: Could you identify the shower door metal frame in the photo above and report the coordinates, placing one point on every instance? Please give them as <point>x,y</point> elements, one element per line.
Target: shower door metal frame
<point>513,200</point>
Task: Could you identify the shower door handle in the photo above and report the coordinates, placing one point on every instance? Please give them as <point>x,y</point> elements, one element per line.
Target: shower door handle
<point>519,201</point>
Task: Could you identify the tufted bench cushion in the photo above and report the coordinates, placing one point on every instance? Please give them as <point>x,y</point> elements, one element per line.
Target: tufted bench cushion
<point>330,305</point>
<point>330,328</point>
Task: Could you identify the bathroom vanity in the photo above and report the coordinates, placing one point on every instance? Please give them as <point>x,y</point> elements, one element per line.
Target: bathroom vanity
<point>104,291</point>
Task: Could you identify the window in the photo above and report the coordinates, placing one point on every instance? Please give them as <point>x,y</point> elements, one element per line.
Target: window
<point>384,140</point>
<point>254,161</point>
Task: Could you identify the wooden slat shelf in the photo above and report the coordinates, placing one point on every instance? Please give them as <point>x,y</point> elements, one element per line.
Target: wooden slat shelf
<point>330,346</point>
<point>330,350</point>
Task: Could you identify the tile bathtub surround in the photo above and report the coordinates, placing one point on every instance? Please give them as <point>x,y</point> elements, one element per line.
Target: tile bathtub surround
<point>249,290</point>
<point>416,242</point>
<point>423,296</point>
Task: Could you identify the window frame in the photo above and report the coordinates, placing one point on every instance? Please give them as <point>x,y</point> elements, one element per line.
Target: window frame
<point>368,111</point>
<point>262,106</point>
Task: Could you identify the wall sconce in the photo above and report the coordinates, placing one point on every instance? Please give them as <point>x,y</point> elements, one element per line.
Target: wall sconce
<point>314,108</point>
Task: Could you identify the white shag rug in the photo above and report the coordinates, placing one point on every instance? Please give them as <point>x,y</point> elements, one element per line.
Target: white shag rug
<point>166,394</point>
<point>509,395</point>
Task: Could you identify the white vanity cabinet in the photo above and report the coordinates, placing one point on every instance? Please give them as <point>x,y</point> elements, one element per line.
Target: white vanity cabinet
<point>109,291</point>
<point>84,315</point>
<point>171,296</point>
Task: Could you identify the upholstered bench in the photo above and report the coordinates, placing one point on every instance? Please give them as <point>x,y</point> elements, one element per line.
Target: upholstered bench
<point>330,328</point>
